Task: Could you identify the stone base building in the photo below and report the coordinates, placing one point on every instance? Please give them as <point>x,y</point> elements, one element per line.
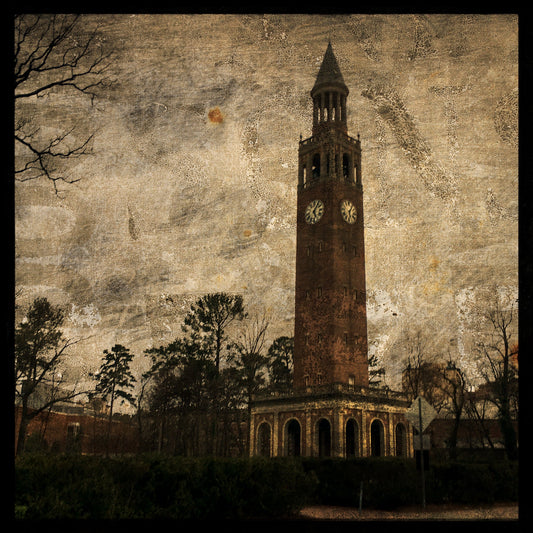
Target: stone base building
<point>331,421</point>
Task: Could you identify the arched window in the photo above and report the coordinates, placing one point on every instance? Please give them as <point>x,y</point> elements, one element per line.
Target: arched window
<point>324,438</point>
<point>401,441</point>
<point>263,440</point>
<point>315,168</point>
<point>352,438</point>
<point>377,448</point>
<point>292,438</point>
<point>345,166</point>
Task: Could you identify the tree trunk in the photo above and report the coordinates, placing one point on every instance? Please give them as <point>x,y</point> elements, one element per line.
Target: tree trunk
<point>452,440</point>
<point>160,436</point>
<point>23,427</point>
<point>110,421</point>
<point>508,434</point>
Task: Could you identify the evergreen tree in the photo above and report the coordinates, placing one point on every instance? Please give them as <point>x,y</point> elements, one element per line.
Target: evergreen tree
<point>114,379</point>
<point>40,349</point>
<point>280,364</point>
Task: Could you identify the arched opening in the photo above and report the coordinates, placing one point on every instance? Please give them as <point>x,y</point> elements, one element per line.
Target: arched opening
<point>315,168</point>
<point>292,438</point>
<point>377,448</point>
<point>352,438</point>
<point>324,438</point>
<point>401,441</point>
<point>345,166</point>
<point>263,440</point>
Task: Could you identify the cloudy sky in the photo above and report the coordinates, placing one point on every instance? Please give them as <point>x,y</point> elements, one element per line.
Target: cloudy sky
<point>191,187</point>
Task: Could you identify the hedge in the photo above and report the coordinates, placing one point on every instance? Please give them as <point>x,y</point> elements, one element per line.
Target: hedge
<point>158,486</point>
<point>49,486</point>
<point>390,482</point>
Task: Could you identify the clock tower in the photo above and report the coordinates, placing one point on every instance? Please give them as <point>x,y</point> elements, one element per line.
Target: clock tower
<point>330,336</point>
<point>332,410</point>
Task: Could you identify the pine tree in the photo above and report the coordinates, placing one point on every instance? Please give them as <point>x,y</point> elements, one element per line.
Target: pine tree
<point>114,379</point>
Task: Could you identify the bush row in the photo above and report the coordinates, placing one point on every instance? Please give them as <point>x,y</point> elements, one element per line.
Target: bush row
<point>159,487</point>
<point>392,482</point>
<point>155,486</point>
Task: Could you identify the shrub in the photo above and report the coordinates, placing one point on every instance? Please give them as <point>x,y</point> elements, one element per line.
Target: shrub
<point>156,486</point>
<point>159,487</point>
<point>390,482</point>
<point>462,482</point>
<point>387,482</point>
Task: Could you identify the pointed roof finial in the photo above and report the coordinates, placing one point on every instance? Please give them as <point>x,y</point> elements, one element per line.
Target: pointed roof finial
<point>329,72</point>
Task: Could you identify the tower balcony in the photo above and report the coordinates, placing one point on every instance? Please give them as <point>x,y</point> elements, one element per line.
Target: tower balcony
<point>374,394</point>
<point>342,137</point>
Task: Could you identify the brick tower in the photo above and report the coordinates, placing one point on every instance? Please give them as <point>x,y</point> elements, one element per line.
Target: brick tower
<point>332,410</point>
<point>330,339</point>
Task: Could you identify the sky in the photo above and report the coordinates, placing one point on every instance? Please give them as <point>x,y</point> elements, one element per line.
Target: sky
<point>191,187</point>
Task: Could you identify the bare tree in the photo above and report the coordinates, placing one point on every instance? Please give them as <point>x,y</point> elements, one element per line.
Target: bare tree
<point>376,373</point>
<point>250,361</point>
<point>477,407</point>
<point>498,370</point>
<point>454,386</point>
<point>421,374</point>
<point>53,53</point>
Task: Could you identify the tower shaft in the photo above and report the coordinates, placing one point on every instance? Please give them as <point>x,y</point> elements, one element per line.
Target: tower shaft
<point>330,337</point>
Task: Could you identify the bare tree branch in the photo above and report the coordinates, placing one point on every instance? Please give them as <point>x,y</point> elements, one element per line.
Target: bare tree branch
<point>53,52</point>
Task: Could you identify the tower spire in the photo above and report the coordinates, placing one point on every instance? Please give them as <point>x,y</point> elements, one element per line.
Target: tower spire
<point>330,72</point>
<point>329,94</point>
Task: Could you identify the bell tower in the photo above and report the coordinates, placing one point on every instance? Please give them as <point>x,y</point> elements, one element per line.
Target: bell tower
<point>330,336</point>
<point>331,411</point>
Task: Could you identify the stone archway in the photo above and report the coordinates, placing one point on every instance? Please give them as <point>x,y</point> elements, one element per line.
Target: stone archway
<point>263,439</point>
<point>352,438</point>
<point>377,440</point>
<point>293,433</point>
<point>401,440</point>
<point>324,438</point>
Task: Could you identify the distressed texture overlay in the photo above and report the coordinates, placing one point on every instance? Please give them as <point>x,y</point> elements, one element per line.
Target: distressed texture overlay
<point>191,187</point>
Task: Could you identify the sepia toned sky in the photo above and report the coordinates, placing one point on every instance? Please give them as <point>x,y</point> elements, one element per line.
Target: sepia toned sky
<point>191,187</point>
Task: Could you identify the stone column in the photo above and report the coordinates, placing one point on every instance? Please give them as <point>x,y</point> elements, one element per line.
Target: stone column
<point>338,432</point>
<point>251,451</point>
<point>307,451</point>
<point>364,451</point>
<point>275,435</point>
<point>392,447</point>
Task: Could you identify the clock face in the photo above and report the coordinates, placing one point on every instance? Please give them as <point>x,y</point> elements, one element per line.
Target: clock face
<point>348,211</point>
<point>314,212</point>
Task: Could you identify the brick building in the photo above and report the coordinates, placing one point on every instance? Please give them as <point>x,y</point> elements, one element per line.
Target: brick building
<point>78,428</point>
<point>332,410</point>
